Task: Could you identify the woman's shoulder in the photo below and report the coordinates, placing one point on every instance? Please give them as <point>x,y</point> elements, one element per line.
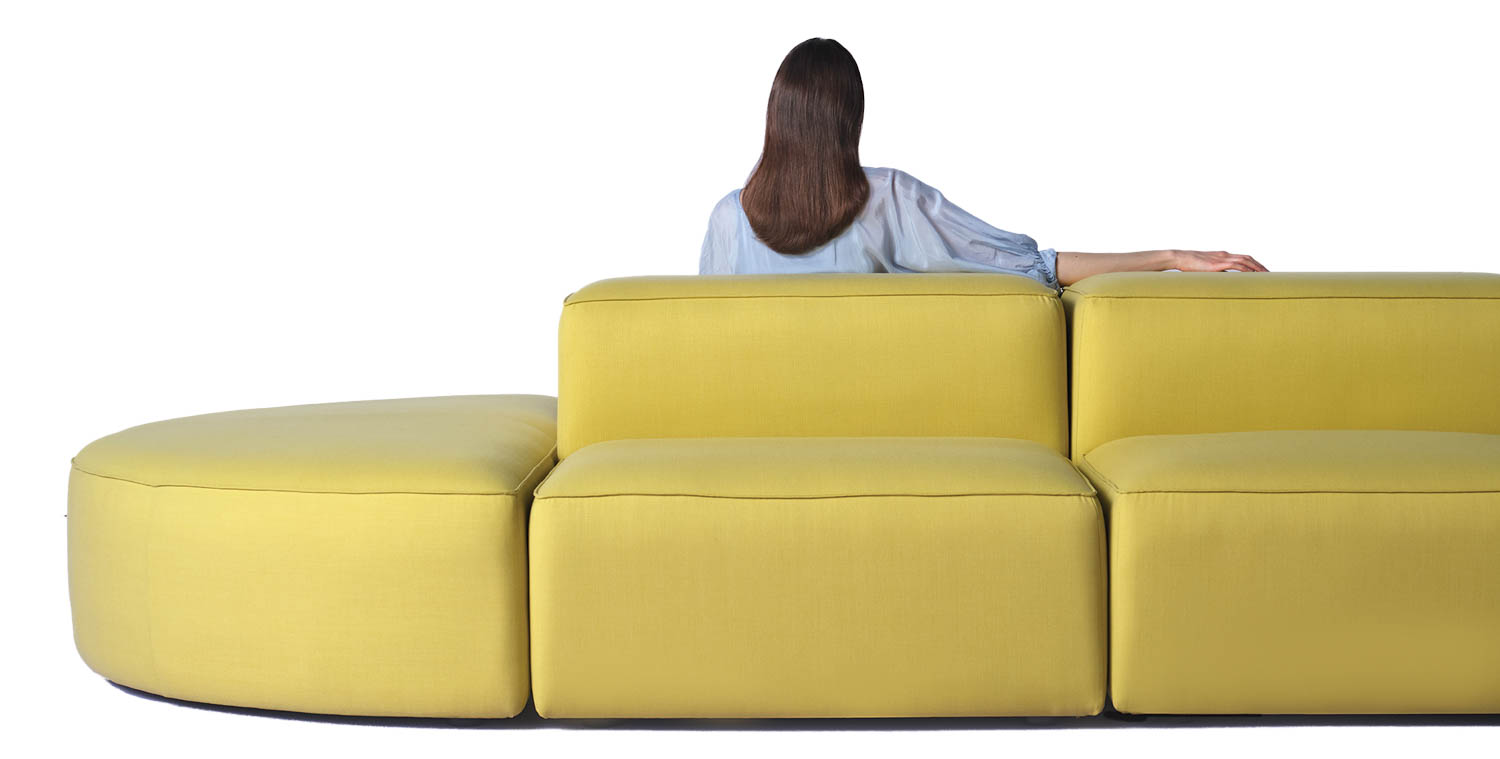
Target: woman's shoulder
<point>730,199</point>
<point>883,177</point>
<point>883,174</point>
<point>727,209</point>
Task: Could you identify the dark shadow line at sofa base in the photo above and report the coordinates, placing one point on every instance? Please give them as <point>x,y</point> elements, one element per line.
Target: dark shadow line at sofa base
<point>529,720</point>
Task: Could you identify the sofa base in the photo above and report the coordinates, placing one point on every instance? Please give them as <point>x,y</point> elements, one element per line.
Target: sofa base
<point>796,577</point>
<point>1304,572</point>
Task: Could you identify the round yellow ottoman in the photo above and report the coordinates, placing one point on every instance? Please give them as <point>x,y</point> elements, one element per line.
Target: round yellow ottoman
<point>364,558</point>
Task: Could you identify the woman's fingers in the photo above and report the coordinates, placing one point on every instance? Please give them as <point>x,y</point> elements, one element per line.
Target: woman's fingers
<point>1220,260</point>
<point>1247,262</point>
<point>1237,262</point>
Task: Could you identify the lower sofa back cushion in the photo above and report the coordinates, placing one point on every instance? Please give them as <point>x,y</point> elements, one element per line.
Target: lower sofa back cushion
<point>812,355</point>
<point>1173,353</point>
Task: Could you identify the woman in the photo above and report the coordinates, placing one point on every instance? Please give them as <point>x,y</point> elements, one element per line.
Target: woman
<point>809,206</point>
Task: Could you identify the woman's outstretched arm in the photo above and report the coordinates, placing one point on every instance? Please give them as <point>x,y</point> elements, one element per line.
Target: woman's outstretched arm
<point>1072,267</point>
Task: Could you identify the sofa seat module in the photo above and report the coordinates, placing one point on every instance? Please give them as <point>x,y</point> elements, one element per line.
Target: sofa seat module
<point>817,577</point>
<point>823,495</point>
<point>362,558</point>
<point>1301,473</point>
<point>1304,571</point>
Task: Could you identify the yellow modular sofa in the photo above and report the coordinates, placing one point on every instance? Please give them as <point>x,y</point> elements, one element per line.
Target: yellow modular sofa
<point>847,495</point>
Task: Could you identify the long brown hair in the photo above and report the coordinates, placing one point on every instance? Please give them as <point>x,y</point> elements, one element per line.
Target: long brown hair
<point>808,185</point>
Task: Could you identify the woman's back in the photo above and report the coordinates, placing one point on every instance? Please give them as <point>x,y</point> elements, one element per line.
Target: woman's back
<point>906,226</point>
<point>810,196</point>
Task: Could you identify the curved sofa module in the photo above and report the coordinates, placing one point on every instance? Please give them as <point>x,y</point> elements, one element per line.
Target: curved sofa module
<point>363,558</point>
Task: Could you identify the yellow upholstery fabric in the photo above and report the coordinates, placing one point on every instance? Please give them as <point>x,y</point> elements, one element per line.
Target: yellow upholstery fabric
<point>812,355</point>
<point>817,468</point>
<point>480,444</point>
<point>1303,571</point>
<point>361,558</point>
<point>1344,461</point>
<point>818,576</point>
<point>1176,353</point>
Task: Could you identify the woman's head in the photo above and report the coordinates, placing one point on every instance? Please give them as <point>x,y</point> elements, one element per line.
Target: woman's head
<point>808,185</point>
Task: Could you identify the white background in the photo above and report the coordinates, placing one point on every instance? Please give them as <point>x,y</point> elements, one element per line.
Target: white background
<point>214,205</point>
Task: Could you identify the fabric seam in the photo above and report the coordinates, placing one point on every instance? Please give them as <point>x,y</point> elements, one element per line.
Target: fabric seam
<point>1084,460</point>
<point>812,296</point>
<point>1083,294</point>
<point>812,497</point>
<point>1121,491</point>
<point>514,491</point>
<point>1305,492</point>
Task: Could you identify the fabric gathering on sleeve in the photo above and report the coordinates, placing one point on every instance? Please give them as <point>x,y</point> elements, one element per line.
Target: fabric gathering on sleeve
<point>717,254</point>
<point>708,259</point>
<point>931,233</point>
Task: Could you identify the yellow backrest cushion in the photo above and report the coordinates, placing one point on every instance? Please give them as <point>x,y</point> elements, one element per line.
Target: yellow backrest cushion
<point>812,355</point>
<point>1174,352</point>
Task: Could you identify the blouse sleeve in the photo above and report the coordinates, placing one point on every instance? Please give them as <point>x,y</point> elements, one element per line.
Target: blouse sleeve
<point>933,234</point>
<point>716,256</point>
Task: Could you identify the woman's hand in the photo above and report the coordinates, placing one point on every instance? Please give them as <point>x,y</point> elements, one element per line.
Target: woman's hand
<point>1072,267</point>
<point>1216,260</point>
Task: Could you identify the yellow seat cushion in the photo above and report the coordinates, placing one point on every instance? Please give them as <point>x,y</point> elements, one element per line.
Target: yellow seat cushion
<point>1340,461</point>
<point>817,577</point>
<point>1339,571</point>
<point>362,558</point>
<point>454,444</point>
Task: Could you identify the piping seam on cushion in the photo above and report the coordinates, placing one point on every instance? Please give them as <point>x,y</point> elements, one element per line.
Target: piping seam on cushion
<point>514,491</point>
<point>1084,460</point>
<point>550,455</point>
<point>1121,491</point>
<point>1305,492</point>
<point>1090,496</point>
<point>1084,294</point>
<point>851,295</point>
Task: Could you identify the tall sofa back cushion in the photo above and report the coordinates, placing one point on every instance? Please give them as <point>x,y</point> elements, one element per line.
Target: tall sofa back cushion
<point>956,354</point>
<point>1168,353</point>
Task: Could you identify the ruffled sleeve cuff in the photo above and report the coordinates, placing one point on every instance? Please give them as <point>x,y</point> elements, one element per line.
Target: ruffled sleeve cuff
<point>1049,268</point>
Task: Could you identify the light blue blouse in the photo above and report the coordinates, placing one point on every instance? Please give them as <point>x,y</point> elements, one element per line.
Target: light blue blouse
<point>906,226</point>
